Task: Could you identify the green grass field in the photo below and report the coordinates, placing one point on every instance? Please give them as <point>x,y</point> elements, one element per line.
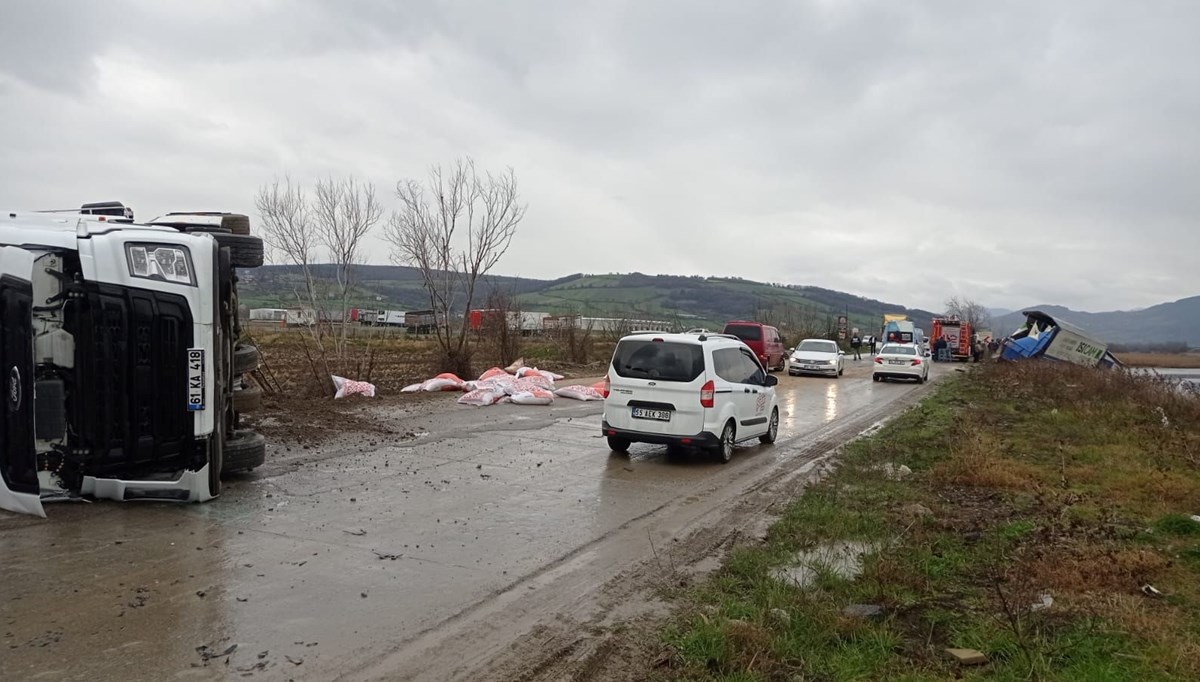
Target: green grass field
<point>1044,499</point>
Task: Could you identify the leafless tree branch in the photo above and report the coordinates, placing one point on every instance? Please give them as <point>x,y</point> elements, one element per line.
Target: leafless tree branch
<point>454,229</point>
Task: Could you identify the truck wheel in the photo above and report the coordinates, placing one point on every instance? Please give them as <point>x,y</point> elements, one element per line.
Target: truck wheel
<point>244,251</point>
<point>236,223</point>
<point>246,450</point>
<point>245,358</point>
<point>247,398</point>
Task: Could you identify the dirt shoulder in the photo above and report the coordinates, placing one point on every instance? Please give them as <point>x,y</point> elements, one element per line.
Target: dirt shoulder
<point>1037,516</point>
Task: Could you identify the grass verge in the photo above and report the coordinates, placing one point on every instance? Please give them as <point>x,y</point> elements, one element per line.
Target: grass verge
<point>1042,501</point>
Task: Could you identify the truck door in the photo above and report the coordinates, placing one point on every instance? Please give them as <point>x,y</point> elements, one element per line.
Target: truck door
<point>18,461</point>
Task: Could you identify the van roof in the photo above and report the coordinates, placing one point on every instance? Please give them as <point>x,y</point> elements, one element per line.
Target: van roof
<point>686,338</point>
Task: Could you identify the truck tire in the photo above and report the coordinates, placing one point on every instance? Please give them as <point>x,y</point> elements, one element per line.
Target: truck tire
<point>247,398</point>
<point>236,223</point>
<point>245,251</point>
<point>244,451</point>
<point>245,358</point>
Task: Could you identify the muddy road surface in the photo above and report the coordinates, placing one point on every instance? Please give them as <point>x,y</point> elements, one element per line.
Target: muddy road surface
<point>452,543</point>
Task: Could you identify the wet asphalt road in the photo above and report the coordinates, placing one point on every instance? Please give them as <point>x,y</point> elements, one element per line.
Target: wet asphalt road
<point>326,562</point>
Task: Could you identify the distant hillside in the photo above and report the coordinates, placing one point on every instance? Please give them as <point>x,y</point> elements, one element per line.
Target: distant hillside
<point>1166,322</point>
<point>702,301</point>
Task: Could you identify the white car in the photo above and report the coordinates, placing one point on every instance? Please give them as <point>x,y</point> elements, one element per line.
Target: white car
<point>816,356</point>
<point>901,361</point>
<point>705,390</point>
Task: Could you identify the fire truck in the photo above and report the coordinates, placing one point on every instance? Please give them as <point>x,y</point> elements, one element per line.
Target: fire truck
<point>958,335</point>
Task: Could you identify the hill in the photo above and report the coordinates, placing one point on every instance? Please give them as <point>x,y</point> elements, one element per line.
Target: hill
<point>694,301</point>
<point>1163,323</point>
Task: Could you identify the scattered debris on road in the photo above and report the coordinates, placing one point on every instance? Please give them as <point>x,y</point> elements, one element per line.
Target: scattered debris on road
<point>207,653</point>
<point>346,387</point>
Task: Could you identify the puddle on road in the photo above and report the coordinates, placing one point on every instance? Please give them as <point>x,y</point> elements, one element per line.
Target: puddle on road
<point>842,558</point>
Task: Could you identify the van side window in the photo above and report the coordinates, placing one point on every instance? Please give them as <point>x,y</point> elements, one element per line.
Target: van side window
<point>727,364</point>
<point>752,372</point>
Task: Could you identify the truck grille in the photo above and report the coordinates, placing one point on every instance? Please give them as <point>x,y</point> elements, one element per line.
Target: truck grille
<point>130,405</point>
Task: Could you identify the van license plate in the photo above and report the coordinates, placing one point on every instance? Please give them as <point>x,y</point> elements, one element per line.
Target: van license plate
<point>195,379</point>
<point>643,413</point>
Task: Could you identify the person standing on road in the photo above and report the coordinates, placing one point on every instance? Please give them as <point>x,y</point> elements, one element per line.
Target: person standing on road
<point>855,344</point>
<point>871,343</point>
<point>938,344</point>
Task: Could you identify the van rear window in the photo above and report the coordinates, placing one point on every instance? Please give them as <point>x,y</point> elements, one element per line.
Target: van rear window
<point>659,360</point>
<point>745,332</point>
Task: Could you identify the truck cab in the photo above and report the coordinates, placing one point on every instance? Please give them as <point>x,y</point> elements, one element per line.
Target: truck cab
<point>120,356</point>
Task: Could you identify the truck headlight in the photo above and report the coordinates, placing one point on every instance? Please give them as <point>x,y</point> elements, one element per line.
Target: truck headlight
<point>161,262</point>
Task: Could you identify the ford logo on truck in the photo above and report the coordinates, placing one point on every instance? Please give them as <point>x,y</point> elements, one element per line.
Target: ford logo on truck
<point>14,389</point>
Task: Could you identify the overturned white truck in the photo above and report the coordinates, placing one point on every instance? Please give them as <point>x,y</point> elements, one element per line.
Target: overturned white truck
<point>123,378</point>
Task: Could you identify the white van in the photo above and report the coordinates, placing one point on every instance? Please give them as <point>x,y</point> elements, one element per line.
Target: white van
<point>704,390</point>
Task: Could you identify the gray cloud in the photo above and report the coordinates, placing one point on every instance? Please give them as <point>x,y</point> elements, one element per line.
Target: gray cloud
<point>1016,153</point>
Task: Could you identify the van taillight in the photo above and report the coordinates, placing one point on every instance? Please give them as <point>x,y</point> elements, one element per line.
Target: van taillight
<point>706,394</point>
<point>607,387</point>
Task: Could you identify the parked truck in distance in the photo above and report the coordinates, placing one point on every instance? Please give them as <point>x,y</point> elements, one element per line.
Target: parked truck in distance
<point>958,335</point>
<point>526,322</point>
<point>898,328</point>
<point>391,318</point>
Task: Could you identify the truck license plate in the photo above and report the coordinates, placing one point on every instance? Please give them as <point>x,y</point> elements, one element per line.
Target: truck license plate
<point>643,413</point>
<point>195,379</point>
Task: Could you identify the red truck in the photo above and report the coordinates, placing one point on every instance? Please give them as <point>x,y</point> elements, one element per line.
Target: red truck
<point>957,333</point>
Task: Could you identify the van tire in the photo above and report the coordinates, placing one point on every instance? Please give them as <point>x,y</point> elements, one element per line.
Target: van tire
<point>618,444</point>
<point>728,439</point>
<point>245,451</point>
<point>772,429</point>
<point>245,358</point>
<point>248,398</point>
<point>244,251</point>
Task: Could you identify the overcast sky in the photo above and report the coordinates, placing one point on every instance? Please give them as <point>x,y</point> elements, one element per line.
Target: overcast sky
<point>1015,152</point>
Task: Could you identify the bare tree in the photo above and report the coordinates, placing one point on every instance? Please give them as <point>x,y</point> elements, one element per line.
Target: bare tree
<point>345,211</point>
<point>454,229</point>
<point>285,219</point>
<point>969,311</point>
